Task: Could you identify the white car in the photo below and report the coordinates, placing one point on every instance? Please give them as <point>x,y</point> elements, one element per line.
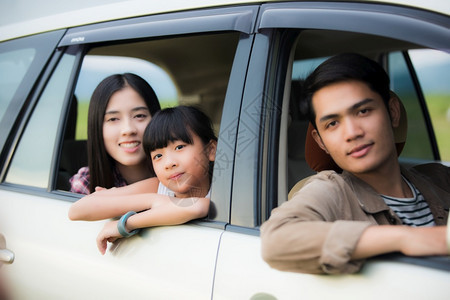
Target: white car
<point>239,61</point>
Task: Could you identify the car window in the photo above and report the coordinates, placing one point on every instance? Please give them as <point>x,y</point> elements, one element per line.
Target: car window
<point>433,71</point>
<point>13,68</point>
<point>31,163</point>
<point>187,70</point>
<point>403,85</point>
<point>21,62</point>
<point>431,66</point>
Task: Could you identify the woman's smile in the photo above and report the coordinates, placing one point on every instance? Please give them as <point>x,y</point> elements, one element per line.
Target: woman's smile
<point>130,147</point>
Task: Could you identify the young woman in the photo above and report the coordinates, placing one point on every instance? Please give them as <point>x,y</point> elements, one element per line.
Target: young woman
<point>120,109</point>
<point>181,144</point>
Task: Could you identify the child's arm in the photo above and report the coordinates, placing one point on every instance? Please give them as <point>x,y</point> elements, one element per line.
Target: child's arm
<point>167,211</point>
<point>110,203</point>
<point>171,211</point>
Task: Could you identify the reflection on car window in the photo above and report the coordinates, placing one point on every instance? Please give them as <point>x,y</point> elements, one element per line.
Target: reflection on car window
<point>32,160</point>
<point>13,68</point>
<point>433,70</point>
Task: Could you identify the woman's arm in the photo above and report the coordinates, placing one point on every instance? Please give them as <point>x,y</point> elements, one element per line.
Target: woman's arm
<point>110,203</point>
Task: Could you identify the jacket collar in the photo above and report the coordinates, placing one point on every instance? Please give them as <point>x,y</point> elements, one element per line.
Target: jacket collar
<point>369,200</point>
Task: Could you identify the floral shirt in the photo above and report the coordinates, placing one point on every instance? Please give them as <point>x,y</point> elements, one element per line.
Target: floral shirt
<point>79,183</point>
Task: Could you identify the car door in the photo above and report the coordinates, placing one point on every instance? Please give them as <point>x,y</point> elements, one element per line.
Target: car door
<point>204,55</point>
<point>291,40</point>
<point>21,62</point>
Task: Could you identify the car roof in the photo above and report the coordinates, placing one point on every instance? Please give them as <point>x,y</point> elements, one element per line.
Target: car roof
<point>24,17</point>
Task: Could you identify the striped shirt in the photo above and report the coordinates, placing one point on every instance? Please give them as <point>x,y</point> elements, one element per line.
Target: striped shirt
<point>412,211</point>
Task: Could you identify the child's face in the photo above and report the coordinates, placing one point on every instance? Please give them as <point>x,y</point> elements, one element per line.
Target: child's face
<point>124,123</point>
<point>354,126</point>
<point>183,167</point>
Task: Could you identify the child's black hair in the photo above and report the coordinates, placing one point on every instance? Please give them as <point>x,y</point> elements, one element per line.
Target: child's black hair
<point>177,123</point>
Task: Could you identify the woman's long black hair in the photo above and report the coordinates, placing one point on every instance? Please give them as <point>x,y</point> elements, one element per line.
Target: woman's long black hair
<point>100,163</point>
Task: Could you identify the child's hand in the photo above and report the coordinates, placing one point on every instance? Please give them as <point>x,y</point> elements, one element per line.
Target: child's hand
<point>109,233</point>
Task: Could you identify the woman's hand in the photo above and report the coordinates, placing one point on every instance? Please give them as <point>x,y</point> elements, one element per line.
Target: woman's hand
<point>109,233</point>
<point>99,188</point>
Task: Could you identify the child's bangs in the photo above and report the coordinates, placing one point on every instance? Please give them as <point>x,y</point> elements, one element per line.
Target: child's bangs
<point>163,130</point>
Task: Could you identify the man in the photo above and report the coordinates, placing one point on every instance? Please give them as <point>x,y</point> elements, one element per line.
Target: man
<point>328,226</point>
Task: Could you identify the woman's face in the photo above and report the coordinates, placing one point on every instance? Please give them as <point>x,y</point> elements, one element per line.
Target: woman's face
<point>125,120</point>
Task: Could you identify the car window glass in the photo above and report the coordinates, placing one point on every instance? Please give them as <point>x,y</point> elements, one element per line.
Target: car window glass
<point>433,71</point>
<point>402,85</point>
<point>13,68</point>
<point>32,159</point>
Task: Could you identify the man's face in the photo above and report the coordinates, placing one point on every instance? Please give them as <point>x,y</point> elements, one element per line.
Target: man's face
<point>354,127</point>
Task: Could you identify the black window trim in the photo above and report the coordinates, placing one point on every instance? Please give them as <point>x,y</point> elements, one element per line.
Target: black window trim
<point>79,52</point>
<point>240,18</point>
<point>430,29</point>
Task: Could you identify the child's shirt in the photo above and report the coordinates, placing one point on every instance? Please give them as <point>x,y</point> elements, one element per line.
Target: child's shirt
<point>163,190</point>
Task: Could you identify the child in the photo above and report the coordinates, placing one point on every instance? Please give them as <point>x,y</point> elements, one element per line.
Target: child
<point>181,144</point>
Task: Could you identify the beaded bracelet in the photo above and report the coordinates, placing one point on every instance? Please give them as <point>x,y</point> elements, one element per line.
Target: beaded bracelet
<point>121,225</point>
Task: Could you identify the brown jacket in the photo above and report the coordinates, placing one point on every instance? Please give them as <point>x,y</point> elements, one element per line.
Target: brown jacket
<point>318,229</point>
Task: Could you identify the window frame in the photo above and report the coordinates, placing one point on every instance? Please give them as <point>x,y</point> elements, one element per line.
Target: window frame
<point>17,109</point>
<point>411,25</point>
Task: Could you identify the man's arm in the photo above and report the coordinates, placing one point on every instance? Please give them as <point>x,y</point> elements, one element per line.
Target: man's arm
<point>315,231</point>
<point>411,241</point>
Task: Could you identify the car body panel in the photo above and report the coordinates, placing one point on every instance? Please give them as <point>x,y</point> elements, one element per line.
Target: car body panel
<point>377,276</point>
<point>148,263</point>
